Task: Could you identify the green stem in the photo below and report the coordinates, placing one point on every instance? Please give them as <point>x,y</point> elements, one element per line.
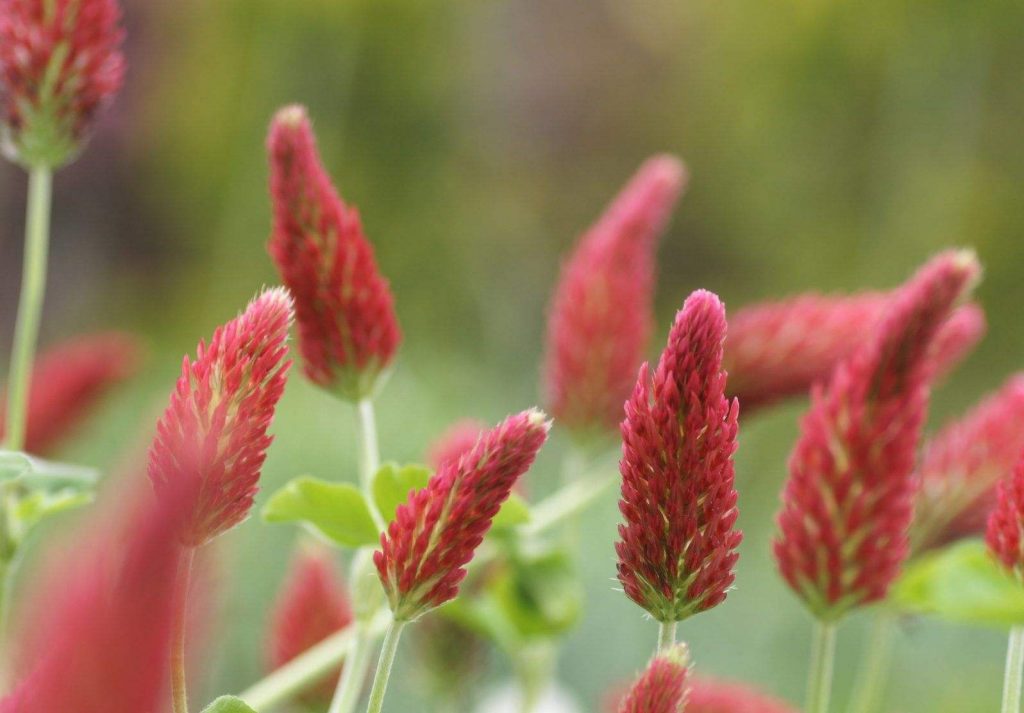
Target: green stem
<point>289,680</point>
<point>30,304</point>
<point>875,667</point>
<point>1014,671</point>
<point>564,504</point>
<point>346,695</point>
<point>369,458</point>
<point>666,635</point>
<point>179,692</point>
<point>823,652</point>
<point>387,660</point>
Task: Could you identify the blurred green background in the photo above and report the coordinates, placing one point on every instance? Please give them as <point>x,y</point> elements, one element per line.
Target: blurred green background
<point>832,146</point>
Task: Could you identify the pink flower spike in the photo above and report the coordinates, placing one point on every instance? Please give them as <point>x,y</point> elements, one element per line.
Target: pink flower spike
<point>678,543</point>
<point>600,316</point>
<point>957,338</point>
<point>60,62</point>
<point>661,688</point>
<point>457,439</point>
<point>213,439</point>
<point>963,463</point>
<point>312,605</point>
<point>348,331</point>
<point>1007,521</point>
<point>69,380</point>
<point>97,636</point>
<point>712,696</point>
<point>848,503</point>
<point>436,531</point>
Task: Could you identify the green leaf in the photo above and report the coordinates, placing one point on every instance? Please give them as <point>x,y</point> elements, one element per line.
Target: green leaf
<point>337,510</point>
<point>39,505</point>
<point>514,511</point>
<point>36,472</point>
<point>964,584</point>
<point>392,484</point>
<point>540,595</point>
<point>228,704</point>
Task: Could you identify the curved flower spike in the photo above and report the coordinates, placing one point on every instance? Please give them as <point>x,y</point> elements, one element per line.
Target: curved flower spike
<point>661,688</point>
<point>213,439</point>
<point>601,314</point>
<point>348,331</point>
<point>963,463</point>
<point>436,531</point>
<point>677,547</point>
<point>848,502</point>
<point>1007,521</point>
<point>60,61</point>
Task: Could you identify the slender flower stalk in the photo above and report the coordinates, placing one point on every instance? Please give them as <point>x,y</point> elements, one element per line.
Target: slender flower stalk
<point>661,688</point>
<point>387,660</point>
<point>1014,675</point>
<point>677,547</point>
<point>437,530</point>
<point>600,317</point>
<point>183,582</point>
<point>848,503</point>
<point>877,660</point>
<point>60,62</point>
<point>312,605</point>
<point>348,331</point>
<point>819,678</point>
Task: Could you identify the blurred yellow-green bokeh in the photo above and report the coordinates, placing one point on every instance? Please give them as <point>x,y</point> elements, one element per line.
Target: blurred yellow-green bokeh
<point>833,145</point>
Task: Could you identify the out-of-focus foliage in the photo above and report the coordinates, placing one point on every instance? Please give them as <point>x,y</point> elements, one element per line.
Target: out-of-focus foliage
<point>832,145</point>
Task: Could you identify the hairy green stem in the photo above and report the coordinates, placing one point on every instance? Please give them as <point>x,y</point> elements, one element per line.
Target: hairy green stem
<point>1014,671</point>
<point>30,304</point>
<point>387,660</point>
<point>179,689</point>
<point>289,680</point>
<point>666,635</point>
<point>347,694</point>
<point>819,681</point>
<point>874,672</point>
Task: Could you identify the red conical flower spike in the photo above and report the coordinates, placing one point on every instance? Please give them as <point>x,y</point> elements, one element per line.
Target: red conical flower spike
<point>710,696</point>
<point>435,533</point>
<point>779,349</point>
<point>1007,521</point>
<point>69,380</point>
<point>213,439</point>
<point>457,439</point>
<point>662,687</point>
<point>59,63</point>
<point>678,543</point>
<point>601,314</point>
<point>312,605</point>
<point>97,637</point>
<point>348,332</point>
<point>962,465</point>
<point>848,503</point>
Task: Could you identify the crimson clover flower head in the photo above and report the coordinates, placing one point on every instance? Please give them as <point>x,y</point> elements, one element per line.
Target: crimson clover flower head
<point>1006,521</point>
<point>678,541</point>
<point>962,464</point>
<point>600,317</point>
<point>348,331</point>
<point>60,62</point>
<point>779,349</point>
<point>457,439</point>
<point>708,695</point>
<point>68,382</point>
<point>848,502</point>
<point>97,634</point>
<point>661,688</point>
<point>312,605</point>
<point>212,439</point>
<point>436,531</point>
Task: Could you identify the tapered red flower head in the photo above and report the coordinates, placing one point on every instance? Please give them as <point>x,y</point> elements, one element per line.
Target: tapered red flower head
<point>457,439</point>
<point>68,382</point>
<point>348,331</point>
<point>848,502</point>
<point>437,530</point>
<point>97,636</point>
<point>678,543</point>
<point>1006,522</point>
<point>312,605</point>
<point>708,695</point>
<point>963,463</point>
<point>213,439</point>
<point>601,314</point>
<point>661,688</point>
<point>59,63</point>
<point>779,349</point>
